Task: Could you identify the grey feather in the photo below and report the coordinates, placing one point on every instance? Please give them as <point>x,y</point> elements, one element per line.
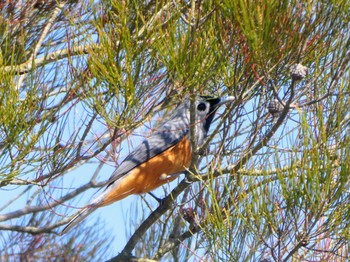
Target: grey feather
<point>79,217</point>
<point>170,132</point>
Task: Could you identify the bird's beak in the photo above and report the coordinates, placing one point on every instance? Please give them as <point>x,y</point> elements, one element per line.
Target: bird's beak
<point>225,100</point>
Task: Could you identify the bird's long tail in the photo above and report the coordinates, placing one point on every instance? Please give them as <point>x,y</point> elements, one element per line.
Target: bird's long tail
<point>79,217</point>
<point>96,203</point>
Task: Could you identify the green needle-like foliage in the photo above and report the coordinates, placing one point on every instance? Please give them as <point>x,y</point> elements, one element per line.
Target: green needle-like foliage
<point>83,82</point>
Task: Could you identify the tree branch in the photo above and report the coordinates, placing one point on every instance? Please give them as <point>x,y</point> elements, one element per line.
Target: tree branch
<point>55,14</point>
<point>151,219</point>
<point>33,209</point>
<point>51,57</point>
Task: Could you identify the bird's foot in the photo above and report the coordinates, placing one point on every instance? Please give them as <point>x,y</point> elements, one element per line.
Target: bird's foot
<point>159,200</point>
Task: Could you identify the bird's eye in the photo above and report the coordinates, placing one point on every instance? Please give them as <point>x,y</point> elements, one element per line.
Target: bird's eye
<point>201,107</point>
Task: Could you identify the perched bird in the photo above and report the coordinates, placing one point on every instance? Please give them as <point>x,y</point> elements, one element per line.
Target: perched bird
<point>160,158</point>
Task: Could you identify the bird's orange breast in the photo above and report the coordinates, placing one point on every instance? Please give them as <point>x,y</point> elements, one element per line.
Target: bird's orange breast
<point>152,173</point>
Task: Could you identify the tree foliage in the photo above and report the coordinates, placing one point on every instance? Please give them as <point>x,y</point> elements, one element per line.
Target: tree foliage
<point>81,81</point>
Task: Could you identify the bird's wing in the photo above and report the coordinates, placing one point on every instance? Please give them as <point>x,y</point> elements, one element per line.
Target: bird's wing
<point>167,136</point>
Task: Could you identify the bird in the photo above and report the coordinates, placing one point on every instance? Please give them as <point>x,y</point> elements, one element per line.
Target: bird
<point>160,158</point>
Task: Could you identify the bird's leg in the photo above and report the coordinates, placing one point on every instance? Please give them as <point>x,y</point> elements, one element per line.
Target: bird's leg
<point>159,200</point>
<point>164,177</point>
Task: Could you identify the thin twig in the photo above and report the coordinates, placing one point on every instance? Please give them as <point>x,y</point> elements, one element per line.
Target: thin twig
<point>30,64</point>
